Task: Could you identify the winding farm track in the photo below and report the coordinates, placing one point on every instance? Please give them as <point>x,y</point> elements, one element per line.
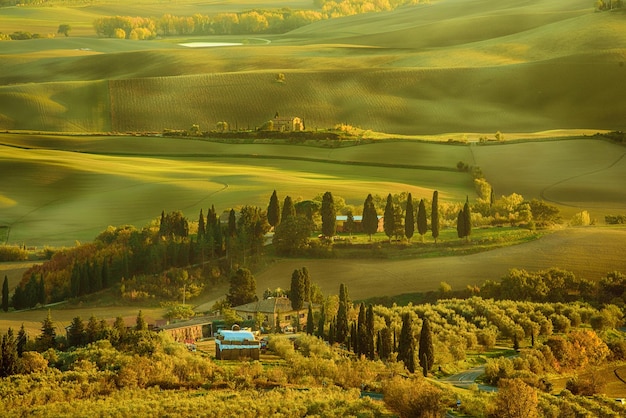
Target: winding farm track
<point>587,252</point>
<point>545,190</point>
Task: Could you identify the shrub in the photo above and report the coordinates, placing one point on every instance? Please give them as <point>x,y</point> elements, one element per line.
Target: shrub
<point>414,398</point>
<point>12,253</point>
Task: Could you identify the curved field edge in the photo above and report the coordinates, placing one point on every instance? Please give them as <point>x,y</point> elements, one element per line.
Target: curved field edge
<point>588,252</point>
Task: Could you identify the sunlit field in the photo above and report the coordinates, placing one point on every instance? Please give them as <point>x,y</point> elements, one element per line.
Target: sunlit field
<point>450,66</point>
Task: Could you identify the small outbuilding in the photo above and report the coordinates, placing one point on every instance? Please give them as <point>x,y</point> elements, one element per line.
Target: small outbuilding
<point>236,344</point>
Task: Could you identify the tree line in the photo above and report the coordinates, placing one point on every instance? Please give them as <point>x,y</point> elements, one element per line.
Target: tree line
<point>157,259</point>
<point>174,251</point>
<point>256,21</point>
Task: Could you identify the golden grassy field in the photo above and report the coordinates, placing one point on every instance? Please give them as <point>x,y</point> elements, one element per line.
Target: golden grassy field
<point>587,252</point>
<point>449,66</point>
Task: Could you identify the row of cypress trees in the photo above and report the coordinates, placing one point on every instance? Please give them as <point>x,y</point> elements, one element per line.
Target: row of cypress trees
<point>359,336</point>
<point>392,219</point>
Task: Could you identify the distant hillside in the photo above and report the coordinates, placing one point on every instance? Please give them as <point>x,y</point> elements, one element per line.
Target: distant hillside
<point>450,66</point>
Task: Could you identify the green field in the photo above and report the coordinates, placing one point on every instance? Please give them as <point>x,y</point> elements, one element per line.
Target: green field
<point>450,66</point>
<point>59,189</point>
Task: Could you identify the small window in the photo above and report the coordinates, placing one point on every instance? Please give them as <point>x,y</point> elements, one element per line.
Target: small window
<point>301,315</point>
<point>249,317</point>
<point>287,317</point>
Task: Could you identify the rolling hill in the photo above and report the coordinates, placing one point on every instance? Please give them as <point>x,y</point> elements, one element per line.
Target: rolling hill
<point>450,66</point>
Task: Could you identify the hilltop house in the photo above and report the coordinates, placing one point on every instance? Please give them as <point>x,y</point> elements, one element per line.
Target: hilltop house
<point>287,124</point>
<point>273,309</point>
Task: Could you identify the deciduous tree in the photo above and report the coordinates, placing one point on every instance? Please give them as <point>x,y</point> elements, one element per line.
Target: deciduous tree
<point>515,399</point>
<point>242,288</point>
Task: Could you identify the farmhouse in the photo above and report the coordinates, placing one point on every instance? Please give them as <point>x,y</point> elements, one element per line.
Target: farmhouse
<point>235,344</point>
<point>358,227</point>
<point>287,124</point>
<point>189,331</point>
<point>272,309</point>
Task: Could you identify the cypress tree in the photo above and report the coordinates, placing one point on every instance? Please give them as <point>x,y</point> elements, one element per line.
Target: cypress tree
<point>422,224</point>
<point>354,338</point>
<point>385,348</point>
<point>329,215</point>
<point>277,328</point>
<point>289,210</point>
<point>76,333</point>
<point>341,327</point>
<point>8,359</point>
<point>18,298</point>
<point>369,329</point>
<point>320,324</point>
<point>388,218</point>
<point>296,292</point>
<point>406,345</point>
<point>119,330</point>
<point>426,351</point>
<point>362,334</point>
<point>370,217</point>
<point>75,281</point>
<point>5,294</point>
<point>409,218</point>
<point>47,338</point>
<point>92,331</point>
<point>232,223</point>
<point>434,216</point>
<point>96,276</point>
<point>140,323</point>
<point>162,225</point>
<point>32,291</point>
<point>273,210</point>
<point>460,224</point>
<point>22,339</point>
<point>349,225</point>
<point>467,215</point>
<point>306,282</point>
<point>310,327</point>
<point>106,274</point>
<point>201,227</point>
